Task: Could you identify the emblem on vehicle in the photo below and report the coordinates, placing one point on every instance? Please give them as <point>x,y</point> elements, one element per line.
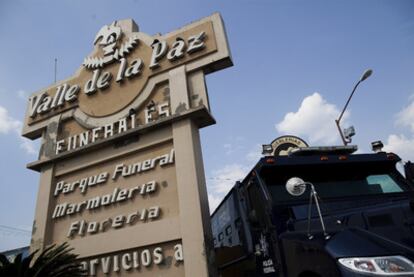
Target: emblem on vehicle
<point>283,145</point>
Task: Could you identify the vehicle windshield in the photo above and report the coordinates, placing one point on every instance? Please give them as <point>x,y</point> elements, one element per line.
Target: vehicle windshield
<point>335,180</point>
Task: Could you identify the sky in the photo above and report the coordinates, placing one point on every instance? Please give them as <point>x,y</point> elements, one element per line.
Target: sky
<point>295,64</point>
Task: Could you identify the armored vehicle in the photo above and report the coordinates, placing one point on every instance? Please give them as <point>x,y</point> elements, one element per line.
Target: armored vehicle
<point>318,211</point>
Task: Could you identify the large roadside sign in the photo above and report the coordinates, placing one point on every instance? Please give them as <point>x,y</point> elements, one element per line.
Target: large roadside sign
<point>121,169</point>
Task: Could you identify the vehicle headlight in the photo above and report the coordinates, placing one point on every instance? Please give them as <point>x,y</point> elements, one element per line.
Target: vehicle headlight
<point>383,266</point>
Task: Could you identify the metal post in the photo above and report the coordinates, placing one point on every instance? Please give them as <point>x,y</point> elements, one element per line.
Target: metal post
<point>340,132</point>
<point>309,215</point>
<point>315,194</point>
<point>342,113</point>
<point>55,69</point>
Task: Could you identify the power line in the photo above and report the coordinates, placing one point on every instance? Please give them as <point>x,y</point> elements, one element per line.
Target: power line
<point>7,230</point>
<point>218,178</point>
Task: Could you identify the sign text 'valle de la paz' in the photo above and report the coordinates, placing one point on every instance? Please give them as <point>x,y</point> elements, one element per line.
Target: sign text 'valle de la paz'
<point>122,178</point>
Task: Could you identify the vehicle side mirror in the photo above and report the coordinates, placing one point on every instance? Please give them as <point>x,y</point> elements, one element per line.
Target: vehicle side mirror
<point>409,171</point>
<point>295,186</point>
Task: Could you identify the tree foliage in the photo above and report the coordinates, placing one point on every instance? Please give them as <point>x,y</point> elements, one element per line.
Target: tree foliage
<point>56,261</point>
